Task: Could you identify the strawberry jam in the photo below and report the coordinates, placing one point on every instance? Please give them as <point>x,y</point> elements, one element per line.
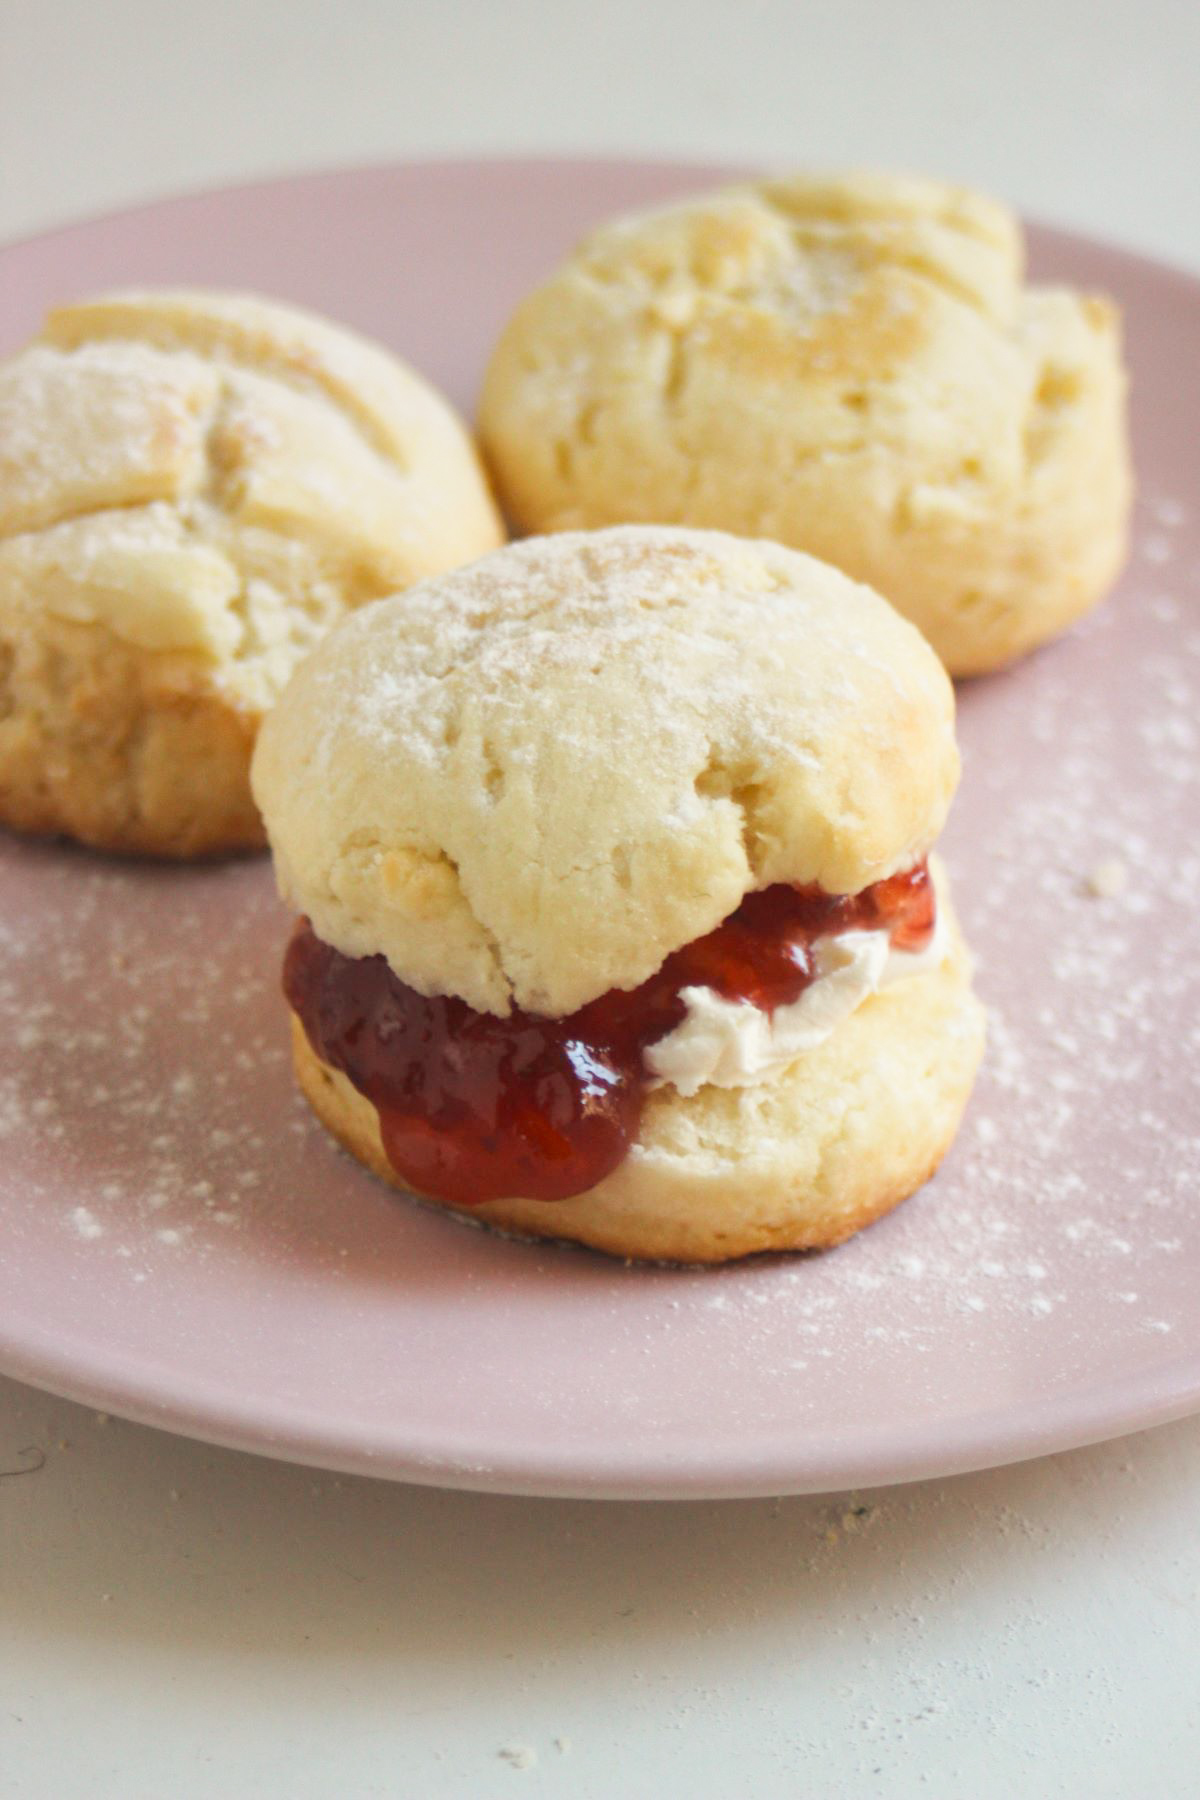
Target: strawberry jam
<point>473,1108</point>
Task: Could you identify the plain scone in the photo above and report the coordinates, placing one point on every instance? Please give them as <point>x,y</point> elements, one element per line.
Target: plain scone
<point>193,488</point>
<point>851,366</point>
<point>529,782</point>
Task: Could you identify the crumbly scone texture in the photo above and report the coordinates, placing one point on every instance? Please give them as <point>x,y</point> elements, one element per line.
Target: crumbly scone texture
<point>193,488</point>
<point>852,366</point>
<point>528,782</point>
<point>797,1163</point>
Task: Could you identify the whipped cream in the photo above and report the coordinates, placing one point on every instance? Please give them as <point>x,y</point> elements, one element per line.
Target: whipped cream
<point>733,1043</point>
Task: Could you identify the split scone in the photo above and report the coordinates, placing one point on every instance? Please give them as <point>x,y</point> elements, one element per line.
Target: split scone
<point>851,366</point>
<point>193,488</point>
<point>617,923</point>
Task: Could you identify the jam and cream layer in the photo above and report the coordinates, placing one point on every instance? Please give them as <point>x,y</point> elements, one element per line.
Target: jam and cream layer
<point>473,1107</point>
<point>733,1043</point>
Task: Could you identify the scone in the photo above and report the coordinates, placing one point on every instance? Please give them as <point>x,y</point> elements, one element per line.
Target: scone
<point>617,923</point>
<point>851,366</point>
<point>193,488</point>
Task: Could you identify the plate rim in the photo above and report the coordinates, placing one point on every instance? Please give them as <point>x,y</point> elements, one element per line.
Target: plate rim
<point>861,1460</point>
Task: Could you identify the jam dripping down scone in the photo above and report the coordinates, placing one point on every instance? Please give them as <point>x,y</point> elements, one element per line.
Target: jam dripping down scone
<point>193,488</point>
<point>852,366</point>
<point>617,919</point>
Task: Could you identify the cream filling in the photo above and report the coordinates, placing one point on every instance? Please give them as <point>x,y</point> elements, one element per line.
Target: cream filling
<point>733,1043</point>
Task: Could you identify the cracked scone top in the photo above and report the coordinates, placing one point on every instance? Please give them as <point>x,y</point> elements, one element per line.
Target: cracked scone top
<point>530,781</point>
<point>849,365</point>
<point>193,488</point>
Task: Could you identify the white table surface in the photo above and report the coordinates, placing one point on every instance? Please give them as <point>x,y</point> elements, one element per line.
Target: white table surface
<point>181,1620</point>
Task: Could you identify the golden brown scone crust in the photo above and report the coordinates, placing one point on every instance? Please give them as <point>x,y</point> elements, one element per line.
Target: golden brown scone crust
<point>193,488</point>
<point>529,781</point>
<point>800,1162</point>
<point>851,366</point>
<point>119,748</point>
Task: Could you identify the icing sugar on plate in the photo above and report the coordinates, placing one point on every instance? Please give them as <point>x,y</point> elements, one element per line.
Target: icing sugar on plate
<point>179,1241</point>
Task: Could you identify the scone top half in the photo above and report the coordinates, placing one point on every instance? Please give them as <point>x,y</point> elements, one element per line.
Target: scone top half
<point>851,365</point>
<point>528,783</point>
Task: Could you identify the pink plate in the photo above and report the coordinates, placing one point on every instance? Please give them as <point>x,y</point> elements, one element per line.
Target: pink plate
<point>182,1244</point>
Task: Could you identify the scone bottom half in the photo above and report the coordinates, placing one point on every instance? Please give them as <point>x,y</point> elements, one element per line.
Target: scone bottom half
<point>783,1075</point>
<point>194,486</point>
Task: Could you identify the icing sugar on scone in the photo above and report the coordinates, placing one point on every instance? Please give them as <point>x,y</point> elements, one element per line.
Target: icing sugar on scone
<point>528,809</point>
<point>193,488</point>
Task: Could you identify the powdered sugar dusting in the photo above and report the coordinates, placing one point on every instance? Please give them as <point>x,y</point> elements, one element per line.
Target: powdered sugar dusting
<point>105,1083</point>
<point>81,432</point>
<point>697,627</point>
